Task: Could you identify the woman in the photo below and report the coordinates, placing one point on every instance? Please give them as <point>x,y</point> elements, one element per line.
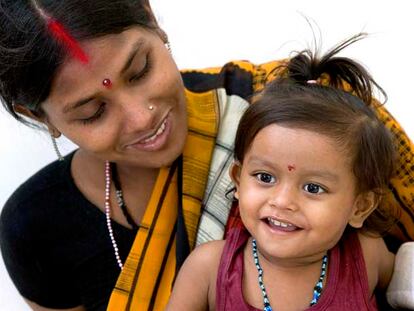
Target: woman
<point>150,173</point>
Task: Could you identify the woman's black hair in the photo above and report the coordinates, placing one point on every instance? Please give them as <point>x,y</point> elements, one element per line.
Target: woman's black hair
<point>30,55</point>
<point>330,95</point>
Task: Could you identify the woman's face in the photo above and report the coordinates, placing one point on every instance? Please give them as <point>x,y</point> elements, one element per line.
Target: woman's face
<point>139,118</point>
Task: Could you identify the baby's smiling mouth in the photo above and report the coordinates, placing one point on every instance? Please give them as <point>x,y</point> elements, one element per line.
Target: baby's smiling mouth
<point>281,225</point>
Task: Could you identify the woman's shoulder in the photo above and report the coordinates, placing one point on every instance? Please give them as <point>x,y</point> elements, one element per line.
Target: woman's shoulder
<point>51,176</point>
<point>239,77</point>
<point>32,199</point>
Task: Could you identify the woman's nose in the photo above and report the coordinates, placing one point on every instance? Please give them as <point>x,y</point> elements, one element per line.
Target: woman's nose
<point>138,113</point>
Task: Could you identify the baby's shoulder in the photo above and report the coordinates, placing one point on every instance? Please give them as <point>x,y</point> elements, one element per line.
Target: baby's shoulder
<point>203,262</point>
<point>208,253</point>
<point>372,246</point>
<point>200,269</point>
<point>379,261</point>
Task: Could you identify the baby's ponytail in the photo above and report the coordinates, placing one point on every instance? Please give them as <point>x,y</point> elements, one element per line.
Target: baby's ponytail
<point>331,70</point>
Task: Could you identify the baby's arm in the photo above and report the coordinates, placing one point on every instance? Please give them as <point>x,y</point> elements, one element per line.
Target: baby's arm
<point>194,288</point>
<point>379,262</point>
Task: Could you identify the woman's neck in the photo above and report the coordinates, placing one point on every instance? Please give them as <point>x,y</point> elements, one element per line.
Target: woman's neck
<point>137,183</point>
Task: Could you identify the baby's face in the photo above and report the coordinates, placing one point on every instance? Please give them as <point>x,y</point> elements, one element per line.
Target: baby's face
<point>296,191</point>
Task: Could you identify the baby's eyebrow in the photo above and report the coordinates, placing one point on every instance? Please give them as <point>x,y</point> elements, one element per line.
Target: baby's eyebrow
<point>323,174</point>
<point>260,161</point>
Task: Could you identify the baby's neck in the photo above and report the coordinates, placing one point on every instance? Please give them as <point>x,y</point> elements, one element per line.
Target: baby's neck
<point>281,277</point>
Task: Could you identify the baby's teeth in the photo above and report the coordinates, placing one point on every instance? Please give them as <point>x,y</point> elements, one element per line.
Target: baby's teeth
<point>278,223</point>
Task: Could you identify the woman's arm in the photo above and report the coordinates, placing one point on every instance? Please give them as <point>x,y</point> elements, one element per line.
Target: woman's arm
<point>194,288</point>
<point>400,292</point>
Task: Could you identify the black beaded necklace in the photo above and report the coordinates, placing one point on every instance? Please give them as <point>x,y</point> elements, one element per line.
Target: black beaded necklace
<point>182,243</point>
<point>120,197</point>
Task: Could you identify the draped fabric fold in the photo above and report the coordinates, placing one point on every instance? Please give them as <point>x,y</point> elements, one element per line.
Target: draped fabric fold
<point>146,280</point>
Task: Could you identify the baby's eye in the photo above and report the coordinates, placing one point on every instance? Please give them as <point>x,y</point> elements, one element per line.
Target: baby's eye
<point>265,178</point>
<point>313,188</point>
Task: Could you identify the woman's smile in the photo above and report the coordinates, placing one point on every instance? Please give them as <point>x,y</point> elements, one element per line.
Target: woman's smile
<point>156,140</point>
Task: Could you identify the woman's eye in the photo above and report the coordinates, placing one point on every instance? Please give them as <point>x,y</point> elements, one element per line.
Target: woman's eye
<point>265,178</point>
<point>143,72</point>
<point>95,116</point>
<point>314,188</point>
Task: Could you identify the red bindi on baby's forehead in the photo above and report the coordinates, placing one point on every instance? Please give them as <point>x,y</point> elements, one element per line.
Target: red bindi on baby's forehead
<point>291,167</point>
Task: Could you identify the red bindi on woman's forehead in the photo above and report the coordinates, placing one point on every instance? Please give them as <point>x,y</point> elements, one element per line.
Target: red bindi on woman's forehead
<point>291,167</point>
<point>107,83</point>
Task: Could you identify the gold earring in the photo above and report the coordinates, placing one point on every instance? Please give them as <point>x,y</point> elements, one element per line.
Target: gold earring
<point>168,46</point>
<point>53,135</point>
<point>55,146</point>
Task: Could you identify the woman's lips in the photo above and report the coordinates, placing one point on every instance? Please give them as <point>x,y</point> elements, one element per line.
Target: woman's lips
<point>157,140</point>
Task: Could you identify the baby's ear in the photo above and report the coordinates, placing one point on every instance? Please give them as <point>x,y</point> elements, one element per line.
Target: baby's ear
<point>364,205</point>
<point>234,173</point>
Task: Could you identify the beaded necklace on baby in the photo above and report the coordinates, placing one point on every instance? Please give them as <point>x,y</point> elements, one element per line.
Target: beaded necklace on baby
<point>317,290</point>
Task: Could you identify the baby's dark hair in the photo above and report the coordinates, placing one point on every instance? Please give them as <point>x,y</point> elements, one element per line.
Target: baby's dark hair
<point>332,96</point>
<point>30,55</point>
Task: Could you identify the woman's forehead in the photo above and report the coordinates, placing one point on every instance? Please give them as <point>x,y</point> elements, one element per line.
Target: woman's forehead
<point>107,56</point>
<point>109,47</point>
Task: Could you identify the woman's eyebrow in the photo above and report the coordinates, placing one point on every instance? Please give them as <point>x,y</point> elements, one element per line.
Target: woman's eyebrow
<point>134,50</point>
<point>77,104</point>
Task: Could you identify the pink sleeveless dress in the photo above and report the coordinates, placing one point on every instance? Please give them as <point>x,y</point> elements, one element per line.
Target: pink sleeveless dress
<point>346,287</point>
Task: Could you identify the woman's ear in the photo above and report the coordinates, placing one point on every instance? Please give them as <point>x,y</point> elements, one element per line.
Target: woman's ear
<point>26,112</point>
<point>162,34</point>
<point>364,205</point>
<point>234,173</point>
